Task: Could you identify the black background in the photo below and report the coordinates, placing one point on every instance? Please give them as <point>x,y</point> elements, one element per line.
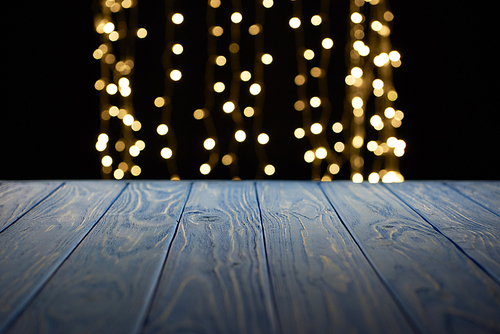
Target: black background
<point>50,115</point>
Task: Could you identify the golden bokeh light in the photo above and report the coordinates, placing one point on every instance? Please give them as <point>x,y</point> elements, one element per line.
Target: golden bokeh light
<point>269,169</point>
<point>255,89</point>
<point>316,128</point>
<point>177,49</point>
<point>337,127</point>
<point>316,20</point>
<point>177,18</point>
<point>175,75</point>
<point>166,153</point>
<point>240,136</point>
<point>299,133</point>
<point>266,59</point>
<point>236,17</point>
<point>294,22</point>
<point>142,33</point>
<point>263,138</point>
<point>205,169</point>
<point>159,102</point>
<point>228,107</point>
<point>248,112</point>
<point>209,144</point>
<point>162,129</point>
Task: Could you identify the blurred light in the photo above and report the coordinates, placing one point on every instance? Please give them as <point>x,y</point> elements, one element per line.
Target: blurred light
<point>254,29</point>
<point>269,170</point>
<point>113,36</point>
<point>375,121</point>
<point>166,153</point>
<point>219,87</point>
<point>399,152</point>
<point>228,107</point>
<point>118,174</point>
<point>128,119</point>
<point>299,105</point>
<point>300,80</point>
<point>357,102</point>
<point>103,137</point>
<point>134,151</point>
<point>159,102</point>
<point>337,127</point>
<point>177,49</point>
<point>372,146</point>
<point>216,31</point>
<point>373,177</point>
<point>99,84</point>
<point>142,33</point>
<point>214,3</point>
<point>356,17</point>
<point>376,26</point>
<point>263,138</point>
<point>245,76</point>
<point>97,54</point>
<point>111,89</point>
<point>248,112</point>
<point>127,3</point>
<point>294,22</point>
<point>309,156</point>
<point>119,146</point>
<point>135,170</point>
<point>107,161</point>
<point>199,114</point>
<point>227,159</point>
<point>205,169</point>
<point>316,72</point>
<point>334,169</point>
<point>392,95</point>
<point>209,144</point>
<point>175,75</point>
<point>136,126</point>
<point>108,27</point>
<point>357,178</point>
<point>123,82</point>
<point>339,147</point>
<point>327,43</point>
<point>388,16</point>
<point>389,112</point>
<point>321,153</point>
<point>255,89</point>
<point>236,17</point>
<point>381,60</point>
<point>125,91</point>
<point>391,177</point>
<point>177,18</point>
<point>350,80</point>
<point>266,59</point>
<point>315,102</point>
<point>267,4</point>
<point>392,141</point>
<point>316,128</point>
<point>240,136</point>
<point>234,47</point>
<point>377,84</point>
<point>399,115</point>
<point>309,54</point>
<point>220,60</point>
<point>394,56</point>
<point>162,129</point>
<point>357,141</point>
<point>299,133</point>
<point>316,20</point>
<point>141,145</point>
<point>123,166</point>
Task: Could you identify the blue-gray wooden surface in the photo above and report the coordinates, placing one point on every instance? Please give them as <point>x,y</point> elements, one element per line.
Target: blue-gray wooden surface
<point>249,257</point>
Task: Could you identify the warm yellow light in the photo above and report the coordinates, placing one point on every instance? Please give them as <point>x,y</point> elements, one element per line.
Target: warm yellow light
<point>175,75</point>
<point>107,161</point>
<point>125,91</point>
<point>166,153</point>
<point>266,59</point>
<point>309,54</point>
<point>142,33</point>
<point>327,43</point>
<point>220,60</point>
<point>269,169</point>
<point>316,20</point>
<point>309,156</point>
<point>316,72</point>
<point>392,141</point>
<point>263,138</point>
<point>236,17</point>
<point>375,121</point>
<point>357,178</point>
<point>113,36</point>
<point>267,3</point>
<point>373,177</point>
<point>205,169</point>
<point>123,166</point>
<point>216,31</point>
<point>356,17</point>
<point>97,54</point>
<point>159,102</point>
<point>227,159</point>
<point>388,16</point>
<point>381,60</point>
<point>245,76</point>
<point>228,107</point>
<point>234,47</point>
<point>127,3</point>
<point>299,133</point>
<point>128,119</point>
<point>315,102</point>
<point>214,3</point>
<point>123,82</point>
<point>399,152</point>
<point>177,18</point>
<point>357,102</point>
<point>376,26</point>
<point>394,56</point>
<point>339,147</point>
<point>316,128</point>
<point>209,144</point>
<point>162,129</point>
<point>334,169</point>
<point>357,141</point>
<point>248,111</point>
<point>392,95</point>
<point>337,127</point>
<point>240,136</point>
<point>177,49</point>
<point>254,29</point>
<point>377,84</point>
<point>300,79</point>
<point>119,146</point>
<point>103,138</point>
<point>320,153</point>
<point>136,126</point>
<point>111,89</point>
<point>391,177</point>
<point>135,170</point>
<point>255,89</point>
<point>199,114</point>
<point>99,84</point>
<point>294,22</point>
<point>299,105</point>
<point>219,87</point>
<point>389,112</point>
<point>108,27</point>
<point>350,80</point>
<point>140,144</point>
<point>118,174</point>
<point>372,146</point>
<point>134,151</point>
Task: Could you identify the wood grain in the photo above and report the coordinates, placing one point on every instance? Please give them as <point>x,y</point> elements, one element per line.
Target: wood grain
<point>34,247</point>
<point>107,283</point>
<point>470,226</point>
<point>443,289</point>
<point>215,278</point>
<point>485,193</point>
<point>17,198</point>
<point>322,281</point>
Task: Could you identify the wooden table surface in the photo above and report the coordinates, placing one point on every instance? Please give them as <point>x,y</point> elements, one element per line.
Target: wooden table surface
<point>249,257</point>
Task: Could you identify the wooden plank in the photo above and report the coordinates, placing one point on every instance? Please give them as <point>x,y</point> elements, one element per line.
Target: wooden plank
<point>107,283</point>
<point>322,281</point>
<point>474,229</point>
<point>215,278</point>
<point>443,289</point>
<point>34,247</point>
<point>485,193</point>
<point>17,198</point>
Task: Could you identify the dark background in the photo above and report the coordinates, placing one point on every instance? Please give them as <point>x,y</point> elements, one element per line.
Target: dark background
<point>447,86</point>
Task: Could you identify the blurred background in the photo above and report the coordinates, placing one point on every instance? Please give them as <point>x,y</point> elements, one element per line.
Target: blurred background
<point>51,115</point>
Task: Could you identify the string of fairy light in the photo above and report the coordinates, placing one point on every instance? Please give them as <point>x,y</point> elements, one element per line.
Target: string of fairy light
<point>234,95</point>
<point>116,23</point>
